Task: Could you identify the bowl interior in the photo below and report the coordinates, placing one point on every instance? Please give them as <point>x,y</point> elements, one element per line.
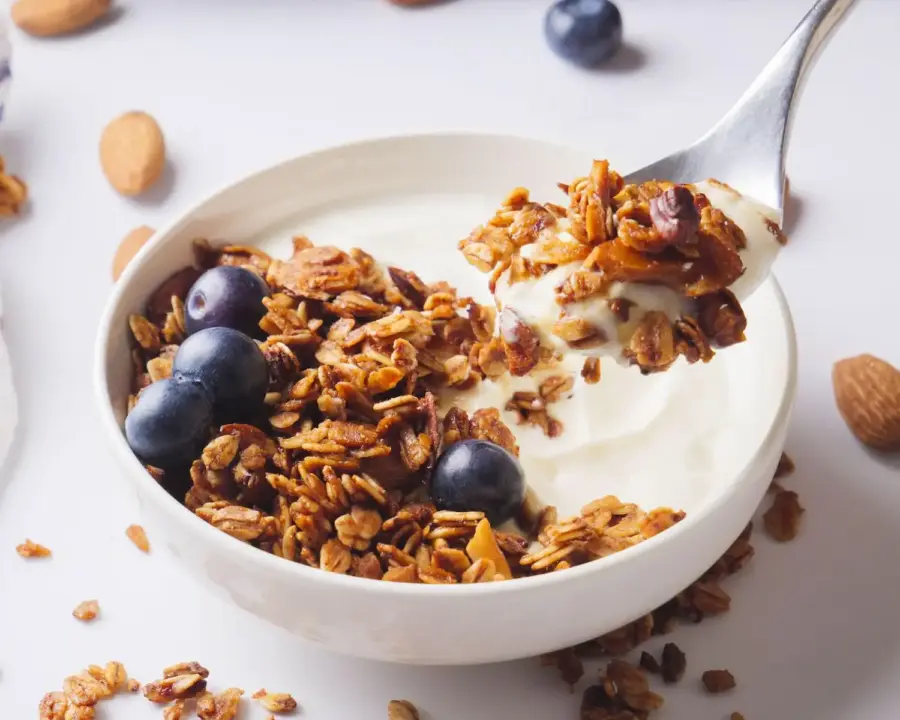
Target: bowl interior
<point>408,201</point>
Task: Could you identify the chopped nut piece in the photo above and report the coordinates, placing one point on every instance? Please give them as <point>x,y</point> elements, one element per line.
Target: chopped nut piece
<point>138,536</point>
<point>674,663</point>
<point>718,681</point>
<point>402,710</point>
<point>782,519</point>
<point>87,610</point>
<point>30,549</point>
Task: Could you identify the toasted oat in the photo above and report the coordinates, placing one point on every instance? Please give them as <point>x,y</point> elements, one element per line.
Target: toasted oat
<point>569,664</point>
<point>785,466</point>
<point>223,706</point>
<point>177,687</point>
<point>13,192</point>
<point>402,710</point>
<point>138,536</point>
<point>133,685</point>
<point>782,519</point>
<point>590,371</point>
<point>718,681</point>
<point>275,702</point>
<point>183,668</point>
<point>87,610</point>
<point>31,549</point>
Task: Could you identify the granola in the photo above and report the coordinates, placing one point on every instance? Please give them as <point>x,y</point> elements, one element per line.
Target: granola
<point>87,610</point>
<point>610,235</point>
<point>138,536</point>
<point>31,549</point>
<point>336,476</point>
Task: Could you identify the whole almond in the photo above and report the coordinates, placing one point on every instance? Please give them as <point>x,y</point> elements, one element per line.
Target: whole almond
<point>867,391</point>
<point>132,152</point>
<point>46,18</point>
<point>128,248</point>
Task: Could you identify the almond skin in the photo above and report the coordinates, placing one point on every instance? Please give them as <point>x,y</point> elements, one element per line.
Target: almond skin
<point>867,392</point>
<point>128,248</point>
<point>132,152</point>
<point>47,18</point>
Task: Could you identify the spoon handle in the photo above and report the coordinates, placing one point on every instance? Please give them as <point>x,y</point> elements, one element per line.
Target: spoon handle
<point>752,137</point>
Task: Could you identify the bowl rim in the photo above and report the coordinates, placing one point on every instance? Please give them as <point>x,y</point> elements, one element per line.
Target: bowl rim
<point>244,553</point>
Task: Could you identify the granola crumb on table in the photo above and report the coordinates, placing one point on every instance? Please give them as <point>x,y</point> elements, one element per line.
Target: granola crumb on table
<point>87,610</point>
<point>402,710</point>
<point>138,536</point>
<point>31,549</point>
<point>655,232</point>
<point>275,702</point>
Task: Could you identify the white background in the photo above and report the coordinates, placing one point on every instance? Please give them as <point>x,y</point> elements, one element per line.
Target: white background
<point>238,84</point>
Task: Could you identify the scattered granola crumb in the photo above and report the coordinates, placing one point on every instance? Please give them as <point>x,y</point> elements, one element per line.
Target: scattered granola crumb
<point>138,536</point>
<point>785,466</point>
<point>402,710</point>
<point>175,687</point>
<point>736,716</point>
<point>13,192</point>
<point>570,667</point>
<point>133,685</point>
<point>718,681</point>
<point>31,549</point>
<point>782,519</point>
<point>223,706</point>
<point>87,610</point>
<point>650,663</point>
<point>623,692</point>
<point>674,663</point>
<point>275,702</point>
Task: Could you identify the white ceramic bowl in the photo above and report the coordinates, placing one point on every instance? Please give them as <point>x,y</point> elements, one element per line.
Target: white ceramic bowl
<point>429,189</point>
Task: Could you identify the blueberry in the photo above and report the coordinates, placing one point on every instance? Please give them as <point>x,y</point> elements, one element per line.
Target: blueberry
<point>478,475</point>
<point>230,366</point>
<point>170,424</point>
<point>226,296</point>
<point>586,32</point>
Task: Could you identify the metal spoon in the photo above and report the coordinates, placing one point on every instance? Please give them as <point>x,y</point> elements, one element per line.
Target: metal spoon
<point>747,147</point>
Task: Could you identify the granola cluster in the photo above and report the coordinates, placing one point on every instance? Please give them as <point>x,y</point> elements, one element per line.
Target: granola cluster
<point>652,233</point>
<point>336,475</point>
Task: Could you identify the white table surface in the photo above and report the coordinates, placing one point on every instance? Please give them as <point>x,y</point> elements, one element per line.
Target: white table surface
<point>238,84</point>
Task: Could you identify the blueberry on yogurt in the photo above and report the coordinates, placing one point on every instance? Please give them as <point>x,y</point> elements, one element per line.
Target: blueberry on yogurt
<point>229,366</point>
<point>585,32</point>
<point>479,475</point>
<point>226,296</point>
<point>170,423</point>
